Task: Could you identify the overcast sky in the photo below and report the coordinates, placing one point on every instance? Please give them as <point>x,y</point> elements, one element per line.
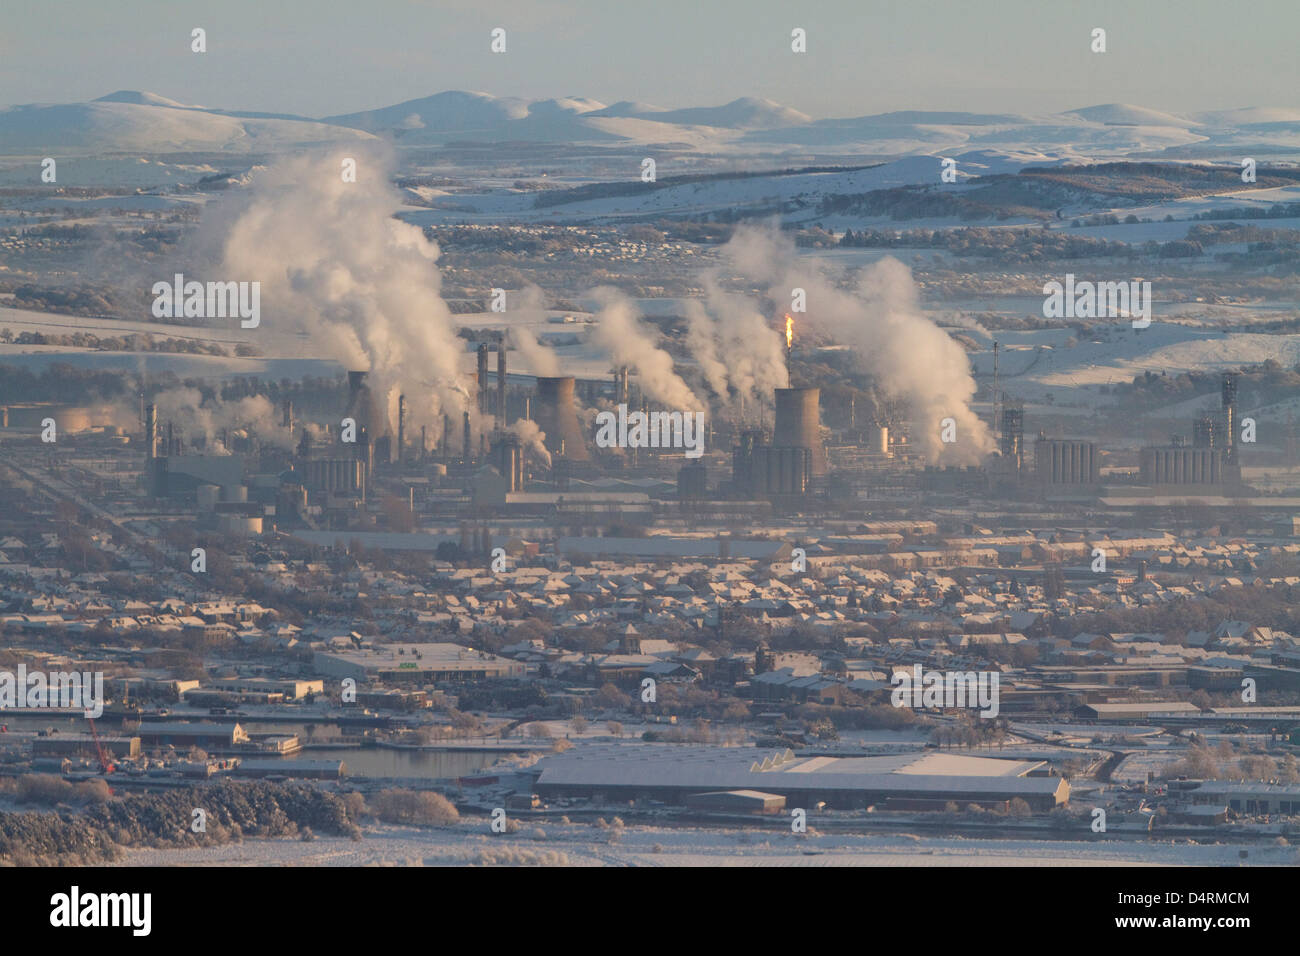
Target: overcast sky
<point>319,57</point>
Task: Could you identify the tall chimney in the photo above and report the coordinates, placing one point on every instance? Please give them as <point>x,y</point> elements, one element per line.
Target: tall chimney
<point>287,408</point>
<point>501,385</point>
<point>1230,416</point>
<point>401,428</point>
<point>467,447</point>
<point>482,378</point>
<point>150,431</point>
<point>557,417</point>
<point>798,424</point>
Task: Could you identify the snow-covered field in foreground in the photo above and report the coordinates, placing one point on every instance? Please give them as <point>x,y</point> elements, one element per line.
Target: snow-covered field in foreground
<point>581,844</point>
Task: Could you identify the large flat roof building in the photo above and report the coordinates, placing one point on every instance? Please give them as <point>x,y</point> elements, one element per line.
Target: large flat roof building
<point>422,663</point>
<point>673,772</point>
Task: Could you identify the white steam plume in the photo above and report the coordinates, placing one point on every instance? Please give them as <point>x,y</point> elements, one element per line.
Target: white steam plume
<point>533,439</point>
<point>730,325</point>
<point>335,264</point>
<point>620,332</point>
<point>185,408</point>
<point>539,359</point>
<point>908,356</point>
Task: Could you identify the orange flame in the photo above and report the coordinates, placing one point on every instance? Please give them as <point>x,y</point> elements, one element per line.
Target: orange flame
<point>789,331</point>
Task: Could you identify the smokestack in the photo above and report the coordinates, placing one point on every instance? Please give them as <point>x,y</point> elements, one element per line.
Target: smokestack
<point>557,417</point>
<point>150,431</point>
<point>467,447</point>
<point>1012,440</point>
<point>501,385</point>
<point>1230,416</point>
<point>401,428</point>
<point>360,406</point>
<point>510,462</point>
<point>798,424</point>
<point>287,408</point>
<point>424,444</point>
<point>170,441</point>
<point>482,378</point>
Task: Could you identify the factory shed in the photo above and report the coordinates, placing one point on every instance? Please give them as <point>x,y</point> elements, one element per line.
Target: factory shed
<point>673,773</point>
<point>737,801</point>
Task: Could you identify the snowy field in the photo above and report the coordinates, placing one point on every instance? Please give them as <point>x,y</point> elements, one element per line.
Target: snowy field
<point>581,844</point>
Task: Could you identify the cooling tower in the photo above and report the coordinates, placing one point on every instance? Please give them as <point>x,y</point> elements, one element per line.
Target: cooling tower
<point>798,424</point>
<point>556,416</point>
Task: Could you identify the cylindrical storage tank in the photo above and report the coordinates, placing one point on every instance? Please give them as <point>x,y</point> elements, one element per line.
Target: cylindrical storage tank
<point>879,440</point>
<point>556,415</point>
<point>239,524</point>
<point>208,496</point>
<point>798,424</point>
<point>234,493</point>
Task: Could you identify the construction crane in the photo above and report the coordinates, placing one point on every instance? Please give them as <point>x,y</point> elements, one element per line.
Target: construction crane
<point>105,765</point>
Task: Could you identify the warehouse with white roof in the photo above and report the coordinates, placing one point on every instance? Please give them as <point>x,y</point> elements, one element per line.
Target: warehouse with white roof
<point>915,781</point>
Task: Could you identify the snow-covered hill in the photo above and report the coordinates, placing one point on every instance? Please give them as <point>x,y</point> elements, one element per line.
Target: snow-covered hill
<point>148,122</point>
<point>145,122</point>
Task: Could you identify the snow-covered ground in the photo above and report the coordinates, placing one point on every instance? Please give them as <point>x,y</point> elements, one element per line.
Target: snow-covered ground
<point>768,843</point>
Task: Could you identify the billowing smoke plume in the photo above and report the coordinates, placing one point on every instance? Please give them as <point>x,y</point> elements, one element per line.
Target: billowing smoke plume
<point>620,332</point>
<point>740,355</point>
<point>909,357</point>
<point>533,440</point>
<point>531,307</point>
<point>335,264</point>
<point>186,409</point>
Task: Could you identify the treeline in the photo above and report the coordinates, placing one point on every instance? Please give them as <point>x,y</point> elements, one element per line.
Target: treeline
<point>1011,245</point>
<point>59,383</point>
<point>633,186</point>
<point>125,343</point>
<point>1269,381</point>
<point>232,811</point>
<point>1286,210</point>
<point>77,300</point>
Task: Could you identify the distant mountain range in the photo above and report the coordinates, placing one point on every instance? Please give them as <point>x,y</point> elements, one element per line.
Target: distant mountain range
<point>129,121</point>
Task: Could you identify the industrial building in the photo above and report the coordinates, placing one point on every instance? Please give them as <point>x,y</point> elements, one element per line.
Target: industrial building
<point>71,745</point>
<point>183,736</point>
<point>1060,462</point>
<point>677,773</point>
<point>1181,465</point>
<point>765,471</point>
<point>419,663</point>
